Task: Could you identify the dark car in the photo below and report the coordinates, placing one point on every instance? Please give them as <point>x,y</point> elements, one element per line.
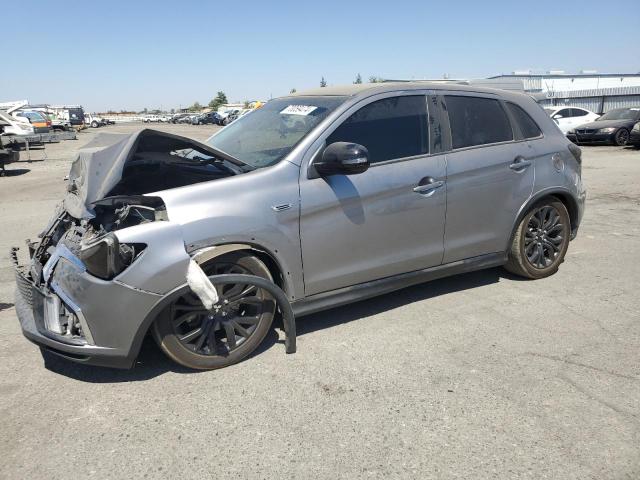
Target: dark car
<point>177,118</point>
<point>6,155</point>
<point>211,118</point>
<point>612,128</point>
<point>634,136</point>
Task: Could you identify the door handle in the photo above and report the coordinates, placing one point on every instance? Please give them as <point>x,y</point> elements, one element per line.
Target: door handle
<point>428,185</point>
<point>520,164</point>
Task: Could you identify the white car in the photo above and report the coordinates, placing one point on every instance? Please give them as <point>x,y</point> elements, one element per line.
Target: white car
<point>16,125</point>
<point>151,119</point>
<point>568,118</point>
<point>93,120</point>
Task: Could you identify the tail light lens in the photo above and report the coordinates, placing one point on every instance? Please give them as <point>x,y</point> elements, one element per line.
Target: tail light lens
<point>576,152</point>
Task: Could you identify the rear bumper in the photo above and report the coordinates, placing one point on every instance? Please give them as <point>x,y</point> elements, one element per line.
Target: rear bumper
<point>112,315</point>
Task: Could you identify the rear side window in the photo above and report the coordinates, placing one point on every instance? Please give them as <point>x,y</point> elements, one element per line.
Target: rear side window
<point>391,128</point>
<point>528,127</point>
<point>477,121</point>
<point>578,112</point>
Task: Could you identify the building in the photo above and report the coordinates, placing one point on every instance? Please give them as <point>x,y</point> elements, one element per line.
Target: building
<point>598,92</point>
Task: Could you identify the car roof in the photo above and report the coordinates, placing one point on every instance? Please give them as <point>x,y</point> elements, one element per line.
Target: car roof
<point>351,90</point>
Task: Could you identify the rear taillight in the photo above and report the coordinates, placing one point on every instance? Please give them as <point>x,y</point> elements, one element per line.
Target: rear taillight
<point>576,152</point>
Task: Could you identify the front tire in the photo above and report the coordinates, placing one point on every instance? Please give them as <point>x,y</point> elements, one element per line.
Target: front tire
<point>621,137</point>
<point>541,240</point>
<point>206,340</point>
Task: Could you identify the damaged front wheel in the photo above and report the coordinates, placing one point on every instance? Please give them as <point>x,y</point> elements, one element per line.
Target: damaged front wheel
<point>208,339</point>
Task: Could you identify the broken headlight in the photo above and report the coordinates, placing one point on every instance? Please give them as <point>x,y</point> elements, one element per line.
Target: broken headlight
<point>106,257</point>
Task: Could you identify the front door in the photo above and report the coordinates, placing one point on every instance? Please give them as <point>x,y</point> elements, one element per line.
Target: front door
<point>385,221</point>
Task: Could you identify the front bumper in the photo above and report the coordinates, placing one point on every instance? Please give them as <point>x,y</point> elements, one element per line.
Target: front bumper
<point>634,138</point>
<point>591,138</point>
<point>113,315</point>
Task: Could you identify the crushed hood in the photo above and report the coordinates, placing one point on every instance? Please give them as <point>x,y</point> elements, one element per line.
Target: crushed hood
<point>96,170</point>
<point>99,165</point>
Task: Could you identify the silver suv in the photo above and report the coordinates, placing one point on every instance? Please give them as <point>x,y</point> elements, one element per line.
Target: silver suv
<point>312,201</point>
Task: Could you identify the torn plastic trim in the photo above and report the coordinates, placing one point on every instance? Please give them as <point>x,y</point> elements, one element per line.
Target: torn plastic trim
<point>203,287</point>
<point>203,255</point>
<point>200,285</point>
<point>288,318</point>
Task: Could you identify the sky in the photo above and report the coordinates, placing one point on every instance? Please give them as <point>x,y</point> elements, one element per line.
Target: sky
<point>132,54</point>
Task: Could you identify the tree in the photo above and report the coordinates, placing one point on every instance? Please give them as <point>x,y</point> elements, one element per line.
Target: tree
<point>145,110</point>
<point>293,90</point>
<point>196,107</point>
<point>358,79</point>
<point>173,110</point>
<point>374,79</point>
<point>220,99</point>
<point>323,82</point>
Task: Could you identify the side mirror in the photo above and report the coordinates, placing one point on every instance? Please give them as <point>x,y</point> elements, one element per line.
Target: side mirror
<point>342,158</point>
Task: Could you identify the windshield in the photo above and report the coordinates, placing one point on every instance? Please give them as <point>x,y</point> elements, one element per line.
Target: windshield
<point>621,114</point>
<point>269,133</point>
<point>33,116</point>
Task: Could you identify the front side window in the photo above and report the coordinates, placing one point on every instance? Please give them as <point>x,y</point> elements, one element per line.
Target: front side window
<point>528,127</point>
<point>391,128</point>
<point>268,135</point>
<point>476,121</point>
<point>565,113</point>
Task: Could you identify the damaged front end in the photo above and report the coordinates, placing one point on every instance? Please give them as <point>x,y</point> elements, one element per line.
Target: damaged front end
<point>111,255</point>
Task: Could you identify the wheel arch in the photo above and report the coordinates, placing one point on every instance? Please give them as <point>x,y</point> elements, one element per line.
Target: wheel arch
<point>278,274</point>
<point>564,195</point>
<point>206,255</point>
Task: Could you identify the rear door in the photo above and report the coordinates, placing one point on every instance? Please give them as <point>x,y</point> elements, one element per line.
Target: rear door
<point>387,220</point>
<point>490,174</point>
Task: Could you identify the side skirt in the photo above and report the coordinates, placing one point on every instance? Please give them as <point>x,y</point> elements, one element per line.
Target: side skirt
<point>362,291</point>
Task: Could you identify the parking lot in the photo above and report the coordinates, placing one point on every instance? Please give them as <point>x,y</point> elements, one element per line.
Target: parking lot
<point>477,376</point>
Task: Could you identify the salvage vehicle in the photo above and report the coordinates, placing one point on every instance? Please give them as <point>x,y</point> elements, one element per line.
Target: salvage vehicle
<point>634,136</point>
<point>210,118</point>
<point>313,201</point>
<point>94,121</point>
<point>612,128</point>
<point>41,123</point>
<point>15,125</point>
<point>569,118</point>
<point>7,155</point>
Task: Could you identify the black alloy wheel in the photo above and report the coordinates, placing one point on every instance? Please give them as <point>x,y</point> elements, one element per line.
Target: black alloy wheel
<point>541,240</point>
<point>621,137</point>
<point>544,237</point>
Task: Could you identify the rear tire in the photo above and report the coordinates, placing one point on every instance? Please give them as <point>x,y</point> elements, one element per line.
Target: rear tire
<point>248,323</point>
<point>541,240</point>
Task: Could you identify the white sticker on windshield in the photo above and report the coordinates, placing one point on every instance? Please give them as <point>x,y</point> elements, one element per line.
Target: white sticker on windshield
<point>298,110</point>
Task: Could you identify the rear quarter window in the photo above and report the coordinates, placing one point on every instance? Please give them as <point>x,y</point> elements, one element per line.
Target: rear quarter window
<point>527,125</point>
<point>477,121</point>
